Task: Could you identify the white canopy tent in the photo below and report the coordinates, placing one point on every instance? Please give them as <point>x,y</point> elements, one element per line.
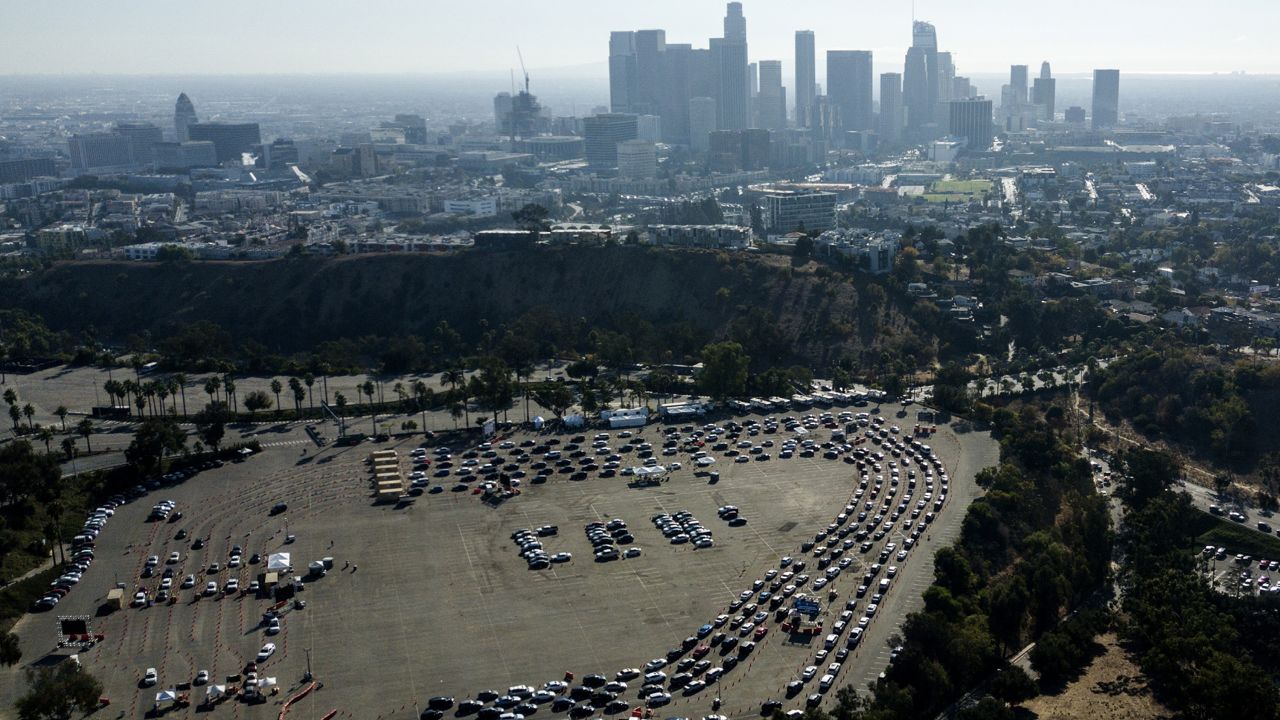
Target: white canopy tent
<point>649,471</point>
<point>165,696</point>
<point>278,561</point>
<point>214,692</point>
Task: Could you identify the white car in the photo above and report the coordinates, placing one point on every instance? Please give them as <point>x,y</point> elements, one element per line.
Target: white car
<point>211,588</point>
<point>808,673</point>
<point>150,677</point>
<point>267,651</point>
<point>139,599</point>
<point>233,585</point>
<point>234,562</point>
<point>174,557</point>
<point>188,582</point>
<point>273,626</point>
<point>674,466</point>
<point>201,678</point>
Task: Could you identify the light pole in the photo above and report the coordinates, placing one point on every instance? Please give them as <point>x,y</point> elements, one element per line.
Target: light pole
<point>307,677</point>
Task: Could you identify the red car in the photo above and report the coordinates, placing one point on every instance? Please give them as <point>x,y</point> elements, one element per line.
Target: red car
<point>760,631</point>
<point>701,650</point>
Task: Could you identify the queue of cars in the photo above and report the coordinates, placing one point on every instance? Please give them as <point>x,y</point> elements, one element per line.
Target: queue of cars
<point>891,470</point>
<point>82,554</point>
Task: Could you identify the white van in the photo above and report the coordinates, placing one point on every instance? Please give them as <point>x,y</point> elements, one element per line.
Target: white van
<point>825,683</point>
<point>831,641</point>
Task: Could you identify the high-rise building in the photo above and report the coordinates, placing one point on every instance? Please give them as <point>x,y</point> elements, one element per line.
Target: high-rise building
<point>622,70</point>
<point>753,80</point>
<point>637,159</point>
<point>791,210</point>
<point>602,133</point>
<point>501,110</point>
<point>1074,115</point>
<point>142,140</point>
<point>971,120</point>
<point>276,155</point>
<point>961,88</point>
<point>650,47</point>
<point>1044,90</point>
<point>946,76</point>
<point>99,150</point>
<point>920,77</point>
<point>1018,83</point>
<point>849,86</point>
<point>772,100</point>
<point>702,122</point>
<point>890,124</point>
<point>733,107</point>
<point>675,93</point>
<point>806,76</point>
<point>184,115</point>
<point>1106,99</point>
<point>229,140</point>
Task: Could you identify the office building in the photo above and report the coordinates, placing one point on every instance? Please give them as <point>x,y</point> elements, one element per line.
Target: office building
<point>946,77</point>
<point>920,76</point>
<point>799,210</point>
<point>1044,90</point>
<point>637,159</point>
<point>276,155</point>
<point>650,46</point>
<point>501,111</point>
<point>890,122</point>
<point>702,122</point>
<point>771,103</point>
<point>1074,115</point>
<point>414,126</point>
<point>99,150</point>
<point>806,76</point>
<point>1018,84</point>
<point>734,150</point>
<point>733,93</point>
<point>142,141</point>
<point>753,80</point>
<point>962,89</point>
<point>1106,99</point>
<point>971,120</point>
<point>622,70</point>
<point>185,155</point>
<point>22,169</point>
<point>675,93</point>
<point>849,88</point>
<point>229,140</point>
<point>184,116</point>
<point>601,135</point>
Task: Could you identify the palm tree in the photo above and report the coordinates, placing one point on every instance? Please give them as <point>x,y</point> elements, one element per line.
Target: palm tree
<point>229,391</point>
<point>454,376</point>
<point>211,386</point>
<point>69,447</point>
<point>368,389</point>
<point>46,435</point>
<point>276,387</point>
<point>181,381</point>
<point>455,411</point>
<point>15,415</point>
<point>309,380</point>
<point>295,385</point>
<point>11,396</point>
<point>420,391</point>
<point>162,392</point>
<point>340,400</point>
<point>85,428</point>
<point>398,388</point>
<point>61,412</point>
<point>29,411</point>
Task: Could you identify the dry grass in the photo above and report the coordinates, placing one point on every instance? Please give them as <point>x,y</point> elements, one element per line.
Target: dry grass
<point>1112,688</point>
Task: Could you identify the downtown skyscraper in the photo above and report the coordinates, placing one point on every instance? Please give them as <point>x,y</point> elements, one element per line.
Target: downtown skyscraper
<point>806,77</point>
<point>730,51</point>
<point>1106,99</point>
<point>850,86</point>
<point>921,76</point>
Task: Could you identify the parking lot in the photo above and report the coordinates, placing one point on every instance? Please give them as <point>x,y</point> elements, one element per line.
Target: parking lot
<point>431,598</point>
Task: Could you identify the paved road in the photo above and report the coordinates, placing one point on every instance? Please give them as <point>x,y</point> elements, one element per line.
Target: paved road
<point>974,451</point>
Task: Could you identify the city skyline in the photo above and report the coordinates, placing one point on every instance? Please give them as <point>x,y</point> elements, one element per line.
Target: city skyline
<point>1183,38</point>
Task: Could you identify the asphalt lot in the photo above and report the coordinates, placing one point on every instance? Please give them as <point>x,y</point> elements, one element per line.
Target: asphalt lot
<point>441,604</point>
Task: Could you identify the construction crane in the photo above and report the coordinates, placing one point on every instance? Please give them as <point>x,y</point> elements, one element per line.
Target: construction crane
<point>523,70</point>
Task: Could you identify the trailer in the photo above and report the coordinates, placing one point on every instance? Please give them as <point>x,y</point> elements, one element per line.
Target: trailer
<point>115,598</point>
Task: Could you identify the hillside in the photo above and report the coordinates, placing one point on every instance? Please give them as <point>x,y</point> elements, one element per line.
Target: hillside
<point>663,300</point>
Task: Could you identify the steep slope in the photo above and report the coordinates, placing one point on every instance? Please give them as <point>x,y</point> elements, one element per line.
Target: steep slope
<point>673,300</point>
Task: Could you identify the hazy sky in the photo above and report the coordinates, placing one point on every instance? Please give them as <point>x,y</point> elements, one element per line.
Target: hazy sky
<point>433,36</point>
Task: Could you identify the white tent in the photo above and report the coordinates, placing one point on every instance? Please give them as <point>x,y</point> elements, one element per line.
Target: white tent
<point>648,471</point>
<point>278,561</point>
<point>538,422</point>
<point>166,696</point>
<point>705,461</point>
<point>215,691</point>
